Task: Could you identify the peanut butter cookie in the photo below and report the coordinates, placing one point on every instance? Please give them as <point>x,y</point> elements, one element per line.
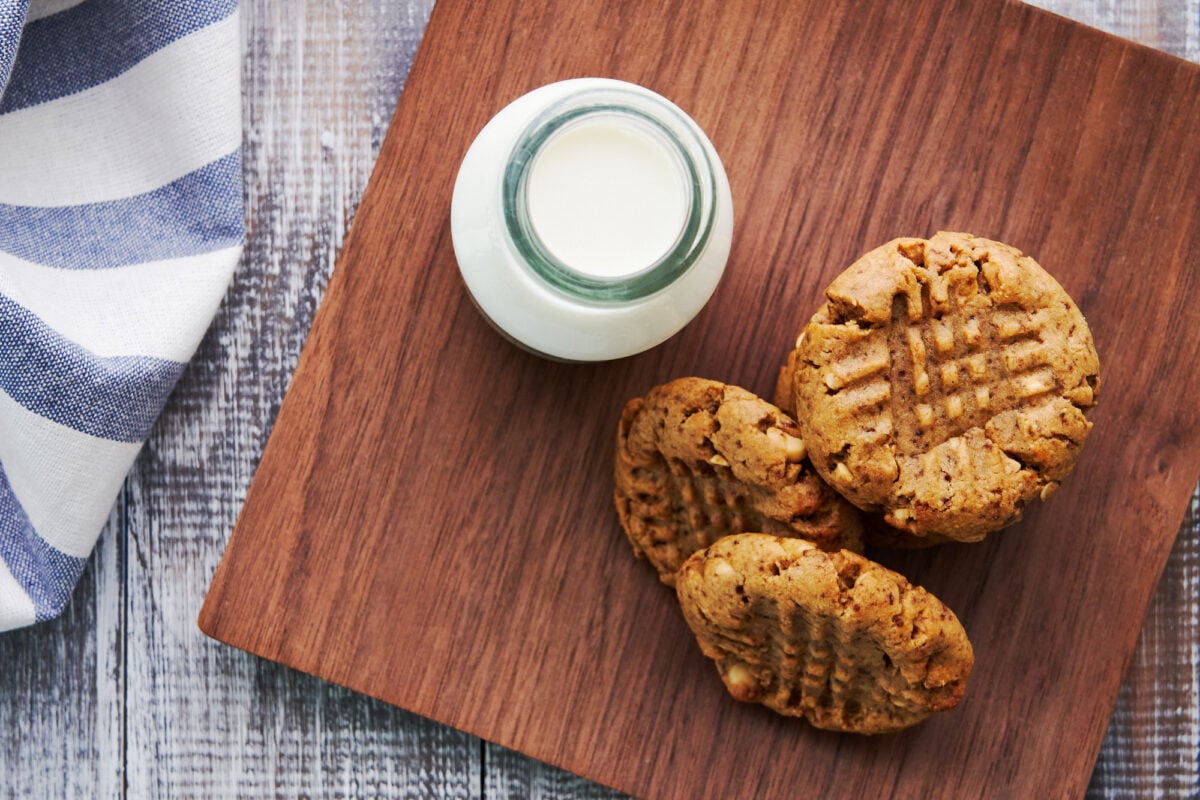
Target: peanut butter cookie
<point>697,460</point>
<point>831,637</point>
<point>944,383</point>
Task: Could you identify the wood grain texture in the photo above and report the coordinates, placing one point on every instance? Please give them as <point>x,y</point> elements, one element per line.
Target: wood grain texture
<point>1152,747</point>
<point>1069,144</point>
<point>320,82</point>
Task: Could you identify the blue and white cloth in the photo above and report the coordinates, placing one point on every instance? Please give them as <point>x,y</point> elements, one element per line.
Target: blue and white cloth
<point>120,227</point>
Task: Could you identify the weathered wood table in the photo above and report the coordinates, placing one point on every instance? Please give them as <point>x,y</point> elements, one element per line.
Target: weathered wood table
<point>123,696</point>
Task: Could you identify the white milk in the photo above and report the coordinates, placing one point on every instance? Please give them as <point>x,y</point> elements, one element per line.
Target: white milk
<point>607,198</point>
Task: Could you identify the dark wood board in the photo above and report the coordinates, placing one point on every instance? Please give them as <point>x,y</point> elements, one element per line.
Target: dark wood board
<point>430,523</point>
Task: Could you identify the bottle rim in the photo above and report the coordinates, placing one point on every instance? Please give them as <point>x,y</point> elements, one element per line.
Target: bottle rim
<point>667,125</point>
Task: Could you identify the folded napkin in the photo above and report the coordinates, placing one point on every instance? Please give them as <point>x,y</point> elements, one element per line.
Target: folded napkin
<point>120,227</point>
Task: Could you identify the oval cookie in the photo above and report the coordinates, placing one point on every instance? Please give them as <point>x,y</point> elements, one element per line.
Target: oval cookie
<point>697,460</point>
<point>831,637</point>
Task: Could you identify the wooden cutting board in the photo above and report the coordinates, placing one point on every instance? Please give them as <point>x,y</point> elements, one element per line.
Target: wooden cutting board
<point>431,522</point>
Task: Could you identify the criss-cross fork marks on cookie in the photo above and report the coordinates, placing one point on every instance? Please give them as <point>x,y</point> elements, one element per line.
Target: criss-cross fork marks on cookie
<point>831,637</point>
<point>697,460</point>
<point>945,383</point>
<point>691,499</point>
<point>806,664</point>
<point>948,362</point>
<point>954,369</point>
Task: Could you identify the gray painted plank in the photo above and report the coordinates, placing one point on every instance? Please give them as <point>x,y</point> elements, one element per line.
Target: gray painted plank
<point>62,689</point>
<point>1152,747</point>
<point>512,776</point>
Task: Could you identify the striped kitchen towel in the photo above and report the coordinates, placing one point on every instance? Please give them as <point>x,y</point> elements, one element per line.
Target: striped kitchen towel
<point>120,227</point>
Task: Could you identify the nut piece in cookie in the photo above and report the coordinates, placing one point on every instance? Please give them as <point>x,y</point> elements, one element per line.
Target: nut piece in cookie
<point>944,383</point>
<point>831,637</point>
<point>697,460</point>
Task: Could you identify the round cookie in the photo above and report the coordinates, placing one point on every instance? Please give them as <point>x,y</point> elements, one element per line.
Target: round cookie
<point>831,637</point>
<point>944,383</point>
<point>697,460</point>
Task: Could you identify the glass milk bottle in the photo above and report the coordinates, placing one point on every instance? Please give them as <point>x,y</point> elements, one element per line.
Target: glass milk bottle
<point>591,220</point>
